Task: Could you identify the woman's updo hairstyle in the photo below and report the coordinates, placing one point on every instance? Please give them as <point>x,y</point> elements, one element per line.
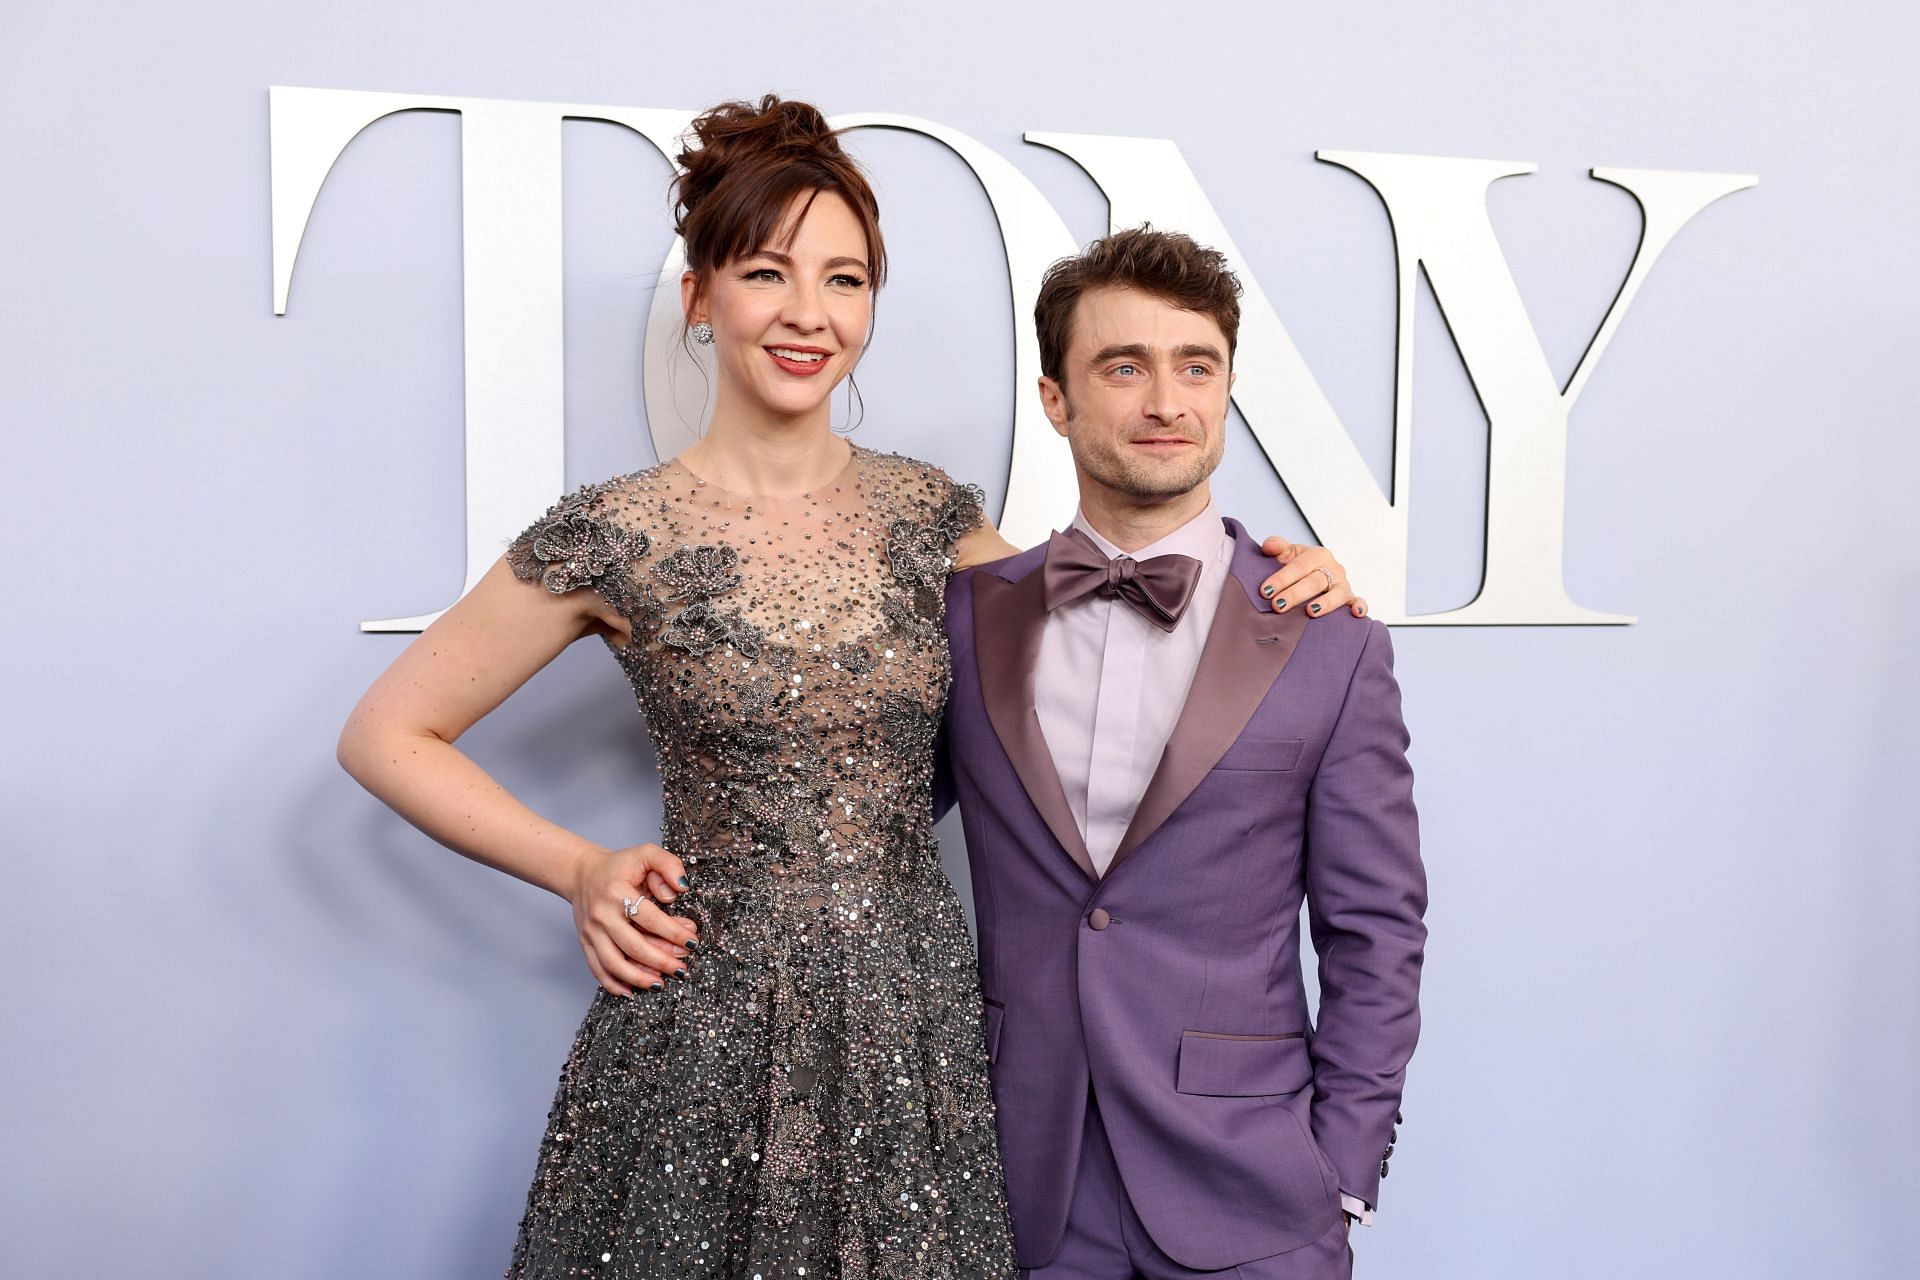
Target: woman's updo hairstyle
<point>752,162</point>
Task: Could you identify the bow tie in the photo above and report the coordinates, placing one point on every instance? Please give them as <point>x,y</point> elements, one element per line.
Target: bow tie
<point>1158,589</point>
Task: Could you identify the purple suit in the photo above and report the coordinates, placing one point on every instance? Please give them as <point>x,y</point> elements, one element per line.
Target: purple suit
<point>1172,985</point>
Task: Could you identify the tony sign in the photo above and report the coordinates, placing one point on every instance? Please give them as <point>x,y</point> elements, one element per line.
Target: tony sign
<point>510,175</point>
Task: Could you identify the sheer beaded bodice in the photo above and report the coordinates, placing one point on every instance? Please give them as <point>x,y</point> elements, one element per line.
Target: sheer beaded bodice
<point>825,1109</point>
<point>787,652</point>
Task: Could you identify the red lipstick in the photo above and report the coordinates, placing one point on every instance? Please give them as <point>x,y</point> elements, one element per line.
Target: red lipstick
<point>801,368</point>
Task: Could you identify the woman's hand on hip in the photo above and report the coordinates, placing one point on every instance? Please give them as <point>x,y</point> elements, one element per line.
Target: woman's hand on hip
<point>630,943</point>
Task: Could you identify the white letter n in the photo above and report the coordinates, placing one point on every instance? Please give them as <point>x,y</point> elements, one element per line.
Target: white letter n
<point>1437,207</point>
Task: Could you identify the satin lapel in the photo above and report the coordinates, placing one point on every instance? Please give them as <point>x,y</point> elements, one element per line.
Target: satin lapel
<point>1245,652</point>
<point>1008,618</point>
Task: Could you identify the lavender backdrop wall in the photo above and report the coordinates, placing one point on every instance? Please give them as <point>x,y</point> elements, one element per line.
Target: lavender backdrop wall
<point>256,1026</point>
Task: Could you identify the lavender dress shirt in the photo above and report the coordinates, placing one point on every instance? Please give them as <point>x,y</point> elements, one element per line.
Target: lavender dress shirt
<point>1106,735</point>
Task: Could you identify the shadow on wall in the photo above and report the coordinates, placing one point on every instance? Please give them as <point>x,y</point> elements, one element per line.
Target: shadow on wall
<point>1880,904</point>
<point>419,963</point>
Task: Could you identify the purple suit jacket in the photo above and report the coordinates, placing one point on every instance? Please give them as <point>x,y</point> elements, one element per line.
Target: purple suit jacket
<point>1174,984</point>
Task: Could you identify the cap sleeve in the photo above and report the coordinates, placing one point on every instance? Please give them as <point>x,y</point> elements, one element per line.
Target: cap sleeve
<point>932,514</point>
<point>959,508</point>
<point>578,544</point>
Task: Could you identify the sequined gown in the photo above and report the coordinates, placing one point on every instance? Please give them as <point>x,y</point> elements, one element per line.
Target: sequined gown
<point>812,1100</point>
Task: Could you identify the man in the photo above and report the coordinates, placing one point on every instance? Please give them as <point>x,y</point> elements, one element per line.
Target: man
<point>1154,769</point>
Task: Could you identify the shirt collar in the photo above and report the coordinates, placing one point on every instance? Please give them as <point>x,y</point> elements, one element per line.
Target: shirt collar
<point>1199,537</point>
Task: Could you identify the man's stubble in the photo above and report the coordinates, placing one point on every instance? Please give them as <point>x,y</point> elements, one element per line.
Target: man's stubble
<point>1138,477</point>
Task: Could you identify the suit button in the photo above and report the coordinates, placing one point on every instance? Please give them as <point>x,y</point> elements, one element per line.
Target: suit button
<point>1099,918</point>
<point>1383,1168</point>
<point>1398,1118</point>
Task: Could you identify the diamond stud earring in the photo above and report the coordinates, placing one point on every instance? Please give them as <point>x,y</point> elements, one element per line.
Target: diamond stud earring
<point>702,333</point>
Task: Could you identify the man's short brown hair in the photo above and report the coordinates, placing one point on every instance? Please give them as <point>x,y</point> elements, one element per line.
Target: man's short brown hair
<point>1166,264</point>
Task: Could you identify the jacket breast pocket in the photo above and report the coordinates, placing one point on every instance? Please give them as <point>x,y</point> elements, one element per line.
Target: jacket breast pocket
<point>1263,755</point>
<point>1235,1066</point>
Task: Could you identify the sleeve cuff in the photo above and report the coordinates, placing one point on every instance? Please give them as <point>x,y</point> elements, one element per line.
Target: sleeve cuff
<point>1358,1208</point>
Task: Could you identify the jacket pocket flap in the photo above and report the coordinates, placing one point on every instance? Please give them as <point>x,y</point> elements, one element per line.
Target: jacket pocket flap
<point>1264,755</point>
<point>1232,1066</point>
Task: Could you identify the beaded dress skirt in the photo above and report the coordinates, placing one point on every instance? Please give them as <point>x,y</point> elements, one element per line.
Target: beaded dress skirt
<point>812,1099</point>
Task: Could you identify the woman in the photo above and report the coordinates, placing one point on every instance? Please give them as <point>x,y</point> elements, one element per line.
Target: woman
<point>794,1083</point>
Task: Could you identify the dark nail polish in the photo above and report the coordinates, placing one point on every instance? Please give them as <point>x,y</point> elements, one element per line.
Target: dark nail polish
<point>684,884</point>
<point>1268,590</point>
<point>1314,607</point>
<point>692,944</point>
<point>658,986</point>
<point>681,972</point>
<point>1278,605</point>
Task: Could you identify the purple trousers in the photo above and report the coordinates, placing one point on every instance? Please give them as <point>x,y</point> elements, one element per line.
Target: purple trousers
<point>1105,1239</point>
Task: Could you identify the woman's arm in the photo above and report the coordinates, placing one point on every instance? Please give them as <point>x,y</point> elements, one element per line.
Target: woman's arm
<point>398,744</point>
<point>982,545</point>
